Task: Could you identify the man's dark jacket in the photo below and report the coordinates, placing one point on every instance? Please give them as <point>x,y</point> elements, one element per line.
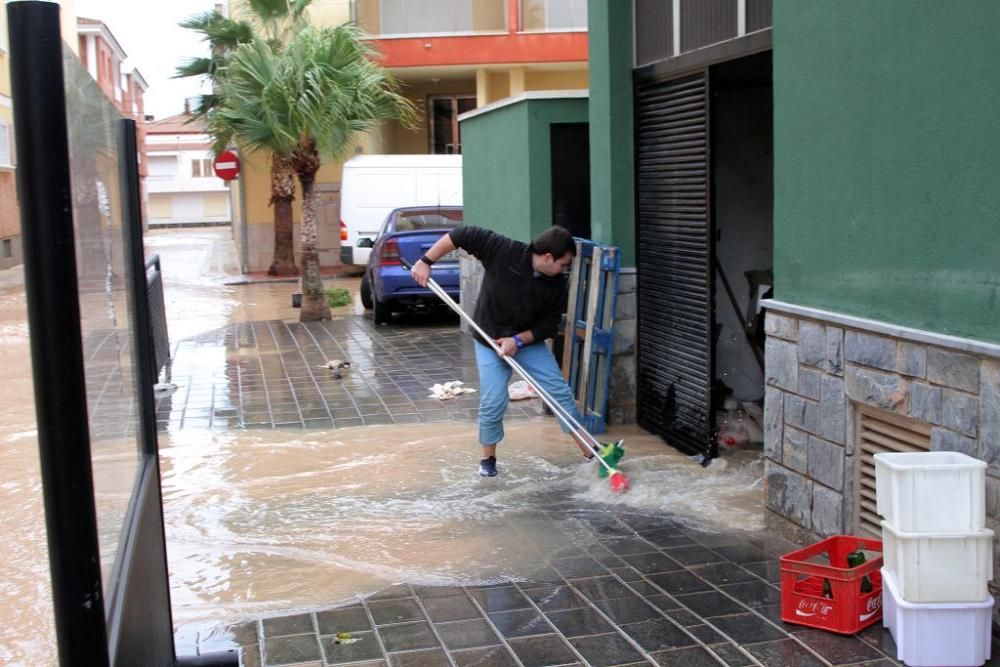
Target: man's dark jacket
<point>513,298</point>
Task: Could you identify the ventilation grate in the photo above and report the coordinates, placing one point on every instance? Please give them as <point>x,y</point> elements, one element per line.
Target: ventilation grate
<point>879,432</point>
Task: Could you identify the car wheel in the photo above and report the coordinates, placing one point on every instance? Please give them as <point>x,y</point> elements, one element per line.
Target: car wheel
<point>366,292</point>
<point>381,312</point>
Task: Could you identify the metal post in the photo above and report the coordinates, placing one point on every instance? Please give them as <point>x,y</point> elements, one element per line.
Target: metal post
<point>54,319</point>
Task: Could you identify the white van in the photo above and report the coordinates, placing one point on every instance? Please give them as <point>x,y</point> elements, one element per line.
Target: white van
<point>373,185</point>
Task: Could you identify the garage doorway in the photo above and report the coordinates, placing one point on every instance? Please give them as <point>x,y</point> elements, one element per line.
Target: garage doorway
<point>704,167</point>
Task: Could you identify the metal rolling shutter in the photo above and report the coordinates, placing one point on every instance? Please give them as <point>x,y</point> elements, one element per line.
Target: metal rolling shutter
<point>674,262</point>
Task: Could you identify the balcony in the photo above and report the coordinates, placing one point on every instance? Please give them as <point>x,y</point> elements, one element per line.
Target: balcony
<point>386,19</point>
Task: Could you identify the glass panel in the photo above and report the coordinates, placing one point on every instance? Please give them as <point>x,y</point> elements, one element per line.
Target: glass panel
<point>105,314</point>
<point>416,17</point>
<point>553,14</point>
<point>419,220</point>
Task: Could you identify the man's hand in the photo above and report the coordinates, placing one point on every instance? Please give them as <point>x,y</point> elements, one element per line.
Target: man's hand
<point>421,273</point>
<point>508,348</point>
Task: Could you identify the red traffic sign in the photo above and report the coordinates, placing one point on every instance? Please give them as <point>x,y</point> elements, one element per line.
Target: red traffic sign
<point>226,165</point>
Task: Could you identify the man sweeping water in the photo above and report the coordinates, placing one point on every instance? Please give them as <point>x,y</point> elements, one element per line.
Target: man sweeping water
<point>521,301</point>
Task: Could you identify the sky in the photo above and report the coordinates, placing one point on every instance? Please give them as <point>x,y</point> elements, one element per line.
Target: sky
<point>148,32</point>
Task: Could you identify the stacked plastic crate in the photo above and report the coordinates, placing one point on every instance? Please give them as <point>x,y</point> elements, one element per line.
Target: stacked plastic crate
<point>938,556</point>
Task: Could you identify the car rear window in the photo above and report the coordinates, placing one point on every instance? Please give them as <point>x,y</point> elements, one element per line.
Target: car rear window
<point>415,221</point>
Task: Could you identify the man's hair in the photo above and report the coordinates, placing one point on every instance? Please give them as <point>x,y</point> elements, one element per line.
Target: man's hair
<point>556,240</point>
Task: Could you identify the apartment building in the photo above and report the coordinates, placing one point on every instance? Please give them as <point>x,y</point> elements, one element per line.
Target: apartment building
<point>183,188</point>
<point>451,56</point>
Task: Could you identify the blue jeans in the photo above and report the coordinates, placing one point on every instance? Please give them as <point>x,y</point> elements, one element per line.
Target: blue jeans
<point>494,376</point>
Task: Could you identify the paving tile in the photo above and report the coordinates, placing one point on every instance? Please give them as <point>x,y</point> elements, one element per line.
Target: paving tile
<point>684,617</point>
<point>731,655</point>
<point>743,553</point>
<point>746,628</point>
<point>349,619</point>
<point>784,653</point>
<point>658,635</point>
<point>838,649</point>
<point>430,592</point>
<point>710,603</point>
<point>395,611</point>
<point>705,634</point>
<point>366,648</point>
<point>662,602</point>
<point>602,588</point>
<point>432,658</point>
<point>605,650</point>
<point>497,656</point>
<point>555,597</point>
<point>693,555</point>
<point>723,573</point>
<point>454,608</point>
<point>407,637</point>
<point>629,546</point>
<point>694,656</point>
<point>578,622</point>
<point>767,570</point>
<point>651,563</point>
<point>753,593</point>
<point>393,592</point>
<point>574,568</point>
<point>628,610</point>
<point>543,651</point>
<point>520,623</point>
<point>289,650</point>
<point>500,598</point>
<point>287,625</point>
<point>677,583</point>
<point>466,634</point>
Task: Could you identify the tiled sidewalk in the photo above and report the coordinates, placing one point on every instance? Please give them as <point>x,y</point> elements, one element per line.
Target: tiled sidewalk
<point>647,591</point>
<point>268,374</point>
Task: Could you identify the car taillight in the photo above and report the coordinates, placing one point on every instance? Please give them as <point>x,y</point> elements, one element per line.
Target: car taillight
<point>390,253</point>
<point>343,231</point>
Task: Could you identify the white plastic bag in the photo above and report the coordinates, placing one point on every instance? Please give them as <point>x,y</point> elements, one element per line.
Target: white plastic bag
<point>520,390</point>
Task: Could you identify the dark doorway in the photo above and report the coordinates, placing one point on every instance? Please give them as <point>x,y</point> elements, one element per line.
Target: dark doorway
<point>742,140</point>
<point>571,177</point>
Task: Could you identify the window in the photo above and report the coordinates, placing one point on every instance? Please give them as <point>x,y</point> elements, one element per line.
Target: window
<point>6,153</point>
<point>445,136</point>
<point>8,249</point>
<point>201,169</point>
<point>428,17</point>
<point>553,14</point>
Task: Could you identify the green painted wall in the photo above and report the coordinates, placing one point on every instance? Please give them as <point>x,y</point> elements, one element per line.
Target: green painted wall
<point>612,186</point>
<point>887,161</point>
<point>507,164</point>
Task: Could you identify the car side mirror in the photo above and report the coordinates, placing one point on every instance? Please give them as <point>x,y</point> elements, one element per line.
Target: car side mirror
<point>365,242</point>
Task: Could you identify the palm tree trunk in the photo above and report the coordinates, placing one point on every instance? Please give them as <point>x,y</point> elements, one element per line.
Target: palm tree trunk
<point>282,194</point>
<point>314,303</point>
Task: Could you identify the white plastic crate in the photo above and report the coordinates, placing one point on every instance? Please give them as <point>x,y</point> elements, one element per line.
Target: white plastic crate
<point>939,567</point>
<point>932,634</point>
<point>937,492</point>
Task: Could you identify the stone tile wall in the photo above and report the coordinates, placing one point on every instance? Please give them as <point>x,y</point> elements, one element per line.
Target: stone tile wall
<point>817,372</point>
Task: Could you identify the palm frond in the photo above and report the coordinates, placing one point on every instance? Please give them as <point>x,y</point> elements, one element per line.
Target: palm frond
<point>194,67</point>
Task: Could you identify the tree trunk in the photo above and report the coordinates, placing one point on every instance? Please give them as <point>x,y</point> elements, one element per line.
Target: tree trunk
<point>314,303</point>
<point>282,194</point>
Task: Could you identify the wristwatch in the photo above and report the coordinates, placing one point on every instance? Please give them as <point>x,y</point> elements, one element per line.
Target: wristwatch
<point>518,341</point>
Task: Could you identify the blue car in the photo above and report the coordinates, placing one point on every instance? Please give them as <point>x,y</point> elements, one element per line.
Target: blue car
<point>386,286</point>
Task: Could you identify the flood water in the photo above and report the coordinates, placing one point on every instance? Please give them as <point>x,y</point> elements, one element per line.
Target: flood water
<point>267,522</point>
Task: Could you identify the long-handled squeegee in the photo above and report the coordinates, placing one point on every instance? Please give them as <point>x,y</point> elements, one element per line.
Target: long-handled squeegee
<point>603,453</point>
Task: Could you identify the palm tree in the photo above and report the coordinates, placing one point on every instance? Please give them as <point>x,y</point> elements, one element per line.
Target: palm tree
<point>271,22</point>
<point>309,101</point>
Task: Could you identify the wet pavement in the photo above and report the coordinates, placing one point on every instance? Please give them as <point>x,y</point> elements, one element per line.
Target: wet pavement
<point>299,506</point>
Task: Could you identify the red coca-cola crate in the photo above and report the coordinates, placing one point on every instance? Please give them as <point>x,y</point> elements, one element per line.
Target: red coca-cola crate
<point>847,609</point>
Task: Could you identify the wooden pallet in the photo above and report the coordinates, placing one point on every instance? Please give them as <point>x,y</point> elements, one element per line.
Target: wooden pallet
<point>589,329</point>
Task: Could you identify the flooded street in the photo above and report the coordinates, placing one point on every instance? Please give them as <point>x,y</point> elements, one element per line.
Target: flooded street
<point>269,521</point>
<point>264,522</point>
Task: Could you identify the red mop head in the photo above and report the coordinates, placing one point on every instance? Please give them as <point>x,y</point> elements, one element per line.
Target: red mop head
<point>619,482</point>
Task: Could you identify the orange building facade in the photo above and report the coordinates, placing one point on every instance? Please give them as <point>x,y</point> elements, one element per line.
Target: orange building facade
<point>450,58</point>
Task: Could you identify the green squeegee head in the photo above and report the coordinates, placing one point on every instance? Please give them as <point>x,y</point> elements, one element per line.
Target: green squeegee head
<point>611,453</point>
